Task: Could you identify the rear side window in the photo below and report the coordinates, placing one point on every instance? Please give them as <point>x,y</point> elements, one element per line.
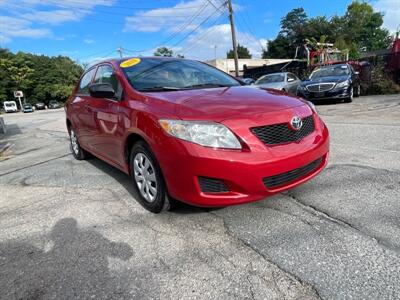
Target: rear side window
<point>85,81</point>
<point>291,76</point>
<point>105,74</point>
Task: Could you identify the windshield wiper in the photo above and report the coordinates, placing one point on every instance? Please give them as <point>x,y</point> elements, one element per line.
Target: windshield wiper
<point>207,85</point>
<point>160,88</point>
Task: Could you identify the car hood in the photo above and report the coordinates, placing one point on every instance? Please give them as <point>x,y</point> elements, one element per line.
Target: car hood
<point>272,85</point>
<point>220,104</point>
<point>325,79</point>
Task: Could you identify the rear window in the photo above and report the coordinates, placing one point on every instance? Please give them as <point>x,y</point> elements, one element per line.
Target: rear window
<point>9,104</point>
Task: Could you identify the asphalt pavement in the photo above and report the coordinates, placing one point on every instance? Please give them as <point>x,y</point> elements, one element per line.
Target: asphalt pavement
<point>71,229</point>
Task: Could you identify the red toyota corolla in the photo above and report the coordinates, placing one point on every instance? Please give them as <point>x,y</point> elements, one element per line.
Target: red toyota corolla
<point>185,130</point>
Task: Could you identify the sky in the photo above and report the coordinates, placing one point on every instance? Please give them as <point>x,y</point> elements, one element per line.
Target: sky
<point>88,30</point>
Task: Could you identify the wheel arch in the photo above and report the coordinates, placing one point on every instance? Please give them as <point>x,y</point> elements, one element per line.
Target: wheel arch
<point>68,123</point>
<point>131,139</point>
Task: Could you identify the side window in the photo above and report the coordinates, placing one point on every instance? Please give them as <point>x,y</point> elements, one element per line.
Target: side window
<point>105,74</point>
<point>291,77</point>
<point>85,81</point>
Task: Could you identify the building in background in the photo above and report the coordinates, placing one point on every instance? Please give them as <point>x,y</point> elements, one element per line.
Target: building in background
<point>228,65</point>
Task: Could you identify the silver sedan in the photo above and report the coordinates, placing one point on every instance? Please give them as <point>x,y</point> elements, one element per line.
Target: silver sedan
<point>284,81</point>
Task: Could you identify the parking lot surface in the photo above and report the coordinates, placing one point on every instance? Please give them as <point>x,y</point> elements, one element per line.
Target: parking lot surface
<point>71,229</point>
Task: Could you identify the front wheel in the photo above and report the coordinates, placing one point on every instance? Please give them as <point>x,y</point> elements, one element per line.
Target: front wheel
<point>351,96</point>
<point>147,178</point>
<point>358,91</point>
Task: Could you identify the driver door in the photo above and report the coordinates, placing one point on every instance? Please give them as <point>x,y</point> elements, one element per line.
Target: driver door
<point>108,138</point>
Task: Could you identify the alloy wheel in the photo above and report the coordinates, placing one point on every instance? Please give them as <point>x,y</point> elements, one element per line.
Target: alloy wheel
<point>74,142</point>
<point>145,177</point>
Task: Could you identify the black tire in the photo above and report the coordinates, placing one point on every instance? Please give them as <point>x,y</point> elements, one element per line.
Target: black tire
<point>77,151</point>
<point>152,172</point>
<point>350,98</point>
<point>358,91</point>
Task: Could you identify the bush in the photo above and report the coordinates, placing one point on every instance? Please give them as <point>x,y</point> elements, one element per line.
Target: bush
<point>382,83</point>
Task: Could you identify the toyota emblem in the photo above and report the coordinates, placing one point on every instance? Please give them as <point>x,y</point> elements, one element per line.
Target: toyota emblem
<point>296,123</point>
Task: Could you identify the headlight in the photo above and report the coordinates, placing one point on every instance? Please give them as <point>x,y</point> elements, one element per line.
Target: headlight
<point>312,106</point>
<point>207,134</point>
<point>342,84</point>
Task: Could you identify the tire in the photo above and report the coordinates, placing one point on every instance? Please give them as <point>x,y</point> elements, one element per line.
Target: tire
<point>350,98</point>
<point>76,149</point>
<point>148,181</point>
<point>358,91</point>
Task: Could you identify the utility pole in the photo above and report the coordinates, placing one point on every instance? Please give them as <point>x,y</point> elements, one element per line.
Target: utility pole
<point>235,54</point>
<point>120,51</point>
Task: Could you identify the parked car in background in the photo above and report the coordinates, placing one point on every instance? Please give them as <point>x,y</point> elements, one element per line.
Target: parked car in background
<point>285,81</point>
<point>53,104</point>
<point>188,131</point>
<point>10,106</point>
<point>40,106</point>
<point>338,81</point>
<point>27,108</point>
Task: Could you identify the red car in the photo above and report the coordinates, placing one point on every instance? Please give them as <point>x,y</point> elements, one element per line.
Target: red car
<point>185,130</point>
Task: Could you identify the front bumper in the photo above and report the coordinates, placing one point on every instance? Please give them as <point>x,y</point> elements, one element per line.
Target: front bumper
<point>242,171</point>
<point>341,93</point>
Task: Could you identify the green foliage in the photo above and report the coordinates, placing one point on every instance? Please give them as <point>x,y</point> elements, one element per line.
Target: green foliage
<point>242,51</point>
<point>382,83</point>
<point>40,77</point>
<point>164,51</point>
<point>360,28</point>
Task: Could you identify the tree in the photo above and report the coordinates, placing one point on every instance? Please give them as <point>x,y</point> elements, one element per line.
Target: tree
<point>359,29</point>
<point>242,51</point>
<point>40,77</point>
<point>363,26</point>
<point>164,51</point>
<point>279,48</point>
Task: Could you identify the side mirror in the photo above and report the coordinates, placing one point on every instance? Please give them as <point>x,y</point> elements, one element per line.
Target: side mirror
<point>101,90</point>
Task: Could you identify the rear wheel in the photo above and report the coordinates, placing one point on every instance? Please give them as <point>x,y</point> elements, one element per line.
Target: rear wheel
<point>147,178</point>
<point>351,95</point>
<point>76,149</point>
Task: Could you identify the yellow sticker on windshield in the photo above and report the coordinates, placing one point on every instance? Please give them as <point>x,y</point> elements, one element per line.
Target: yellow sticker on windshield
<point>130,62</point>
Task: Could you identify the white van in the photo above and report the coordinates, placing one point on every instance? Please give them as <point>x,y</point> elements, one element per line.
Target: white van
<point>10,106</point>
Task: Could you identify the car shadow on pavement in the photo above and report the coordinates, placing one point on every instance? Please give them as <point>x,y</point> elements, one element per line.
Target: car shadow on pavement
<point>125,181</point>
<point>75,267</point>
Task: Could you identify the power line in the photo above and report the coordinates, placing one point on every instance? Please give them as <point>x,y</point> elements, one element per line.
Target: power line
<point>202,36</point>
<point>197,27</point>
<point>181,30</point>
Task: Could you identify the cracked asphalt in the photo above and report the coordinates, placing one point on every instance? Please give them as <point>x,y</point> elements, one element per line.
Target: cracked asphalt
<point>71,229</point>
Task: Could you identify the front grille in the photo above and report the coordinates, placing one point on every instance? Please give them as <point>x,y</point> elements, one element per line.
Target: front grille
<point>212,185</point>
<point>321,87</point>
<point>286,178</point>
<point>282,133</point>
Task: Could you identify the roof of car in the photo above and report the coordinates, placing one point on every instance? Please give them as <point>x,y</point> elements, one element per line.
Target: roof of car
<point>120,60</point>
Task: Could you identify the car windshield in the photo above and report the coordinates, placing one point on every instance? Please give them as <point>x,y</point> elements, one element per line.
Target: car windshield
<point>9,104</point>
<point>28,106</point>
<point>335,70</point>
<point>271,78</point>
<point>53,102</point>
<point>152,74</point>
